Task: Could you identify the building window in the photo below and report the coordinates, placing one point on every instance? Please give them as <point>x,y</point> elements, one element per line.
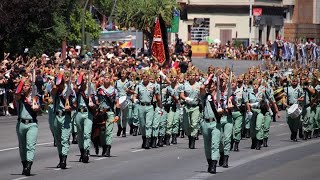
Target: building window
<point>200,29</point>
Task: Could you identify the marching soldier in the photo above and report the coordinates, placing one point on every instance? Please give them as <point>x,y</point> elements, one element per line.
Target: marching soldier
<point>211,128</point>
<point>84,117</point>
<point>190,93</point>
<point>27,125</point>
<point>144,94</point>
<point>293,93</point>
<point>124,89</point>
<point>106,98</point>
<point>63,98</point>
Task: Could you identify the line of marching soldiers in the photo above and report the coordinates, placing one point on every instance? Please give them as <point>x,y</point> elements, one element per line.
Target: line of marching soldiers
<point>162,106</point>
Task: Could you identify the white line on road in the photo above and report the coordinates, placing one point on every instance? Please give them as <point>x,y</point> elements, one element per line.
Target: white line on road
<point>20,178</point>
<point>100,158</point>
<point>8,149</point>
<point>237,163</point>
<point>138,150</point>
<point>283,134</point>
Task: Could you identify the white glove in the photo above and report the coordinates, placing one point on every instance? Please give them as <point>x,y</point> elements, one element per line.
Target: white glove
<point>249,115</point>
<point>189,100</point>
<point>135,101</point>
<point>160,111</point>
<point>163,76</point>
<point>254,105</point>
<point>270,111</point>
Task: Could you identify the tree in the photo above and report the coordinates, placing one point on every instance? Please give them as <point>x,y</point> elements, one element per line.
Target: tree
<point>141,14</point>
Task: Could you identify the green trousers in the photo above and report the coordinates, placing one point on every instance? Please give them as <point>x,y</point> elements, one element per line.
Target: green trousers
<point>266,125</point>
<point>163,124</point>
<point>27,137</point>
<point>124,117</point>
<point>73,122</point>
<point>256,124</point>
<point>313,113</point>
<point>307,119</point>
<point>51,117</point>
<point>135,114</point>
<point>226,132</point>
<point>156,122</point>
<point>146,120</point>
<point>317,116</point>
<point>237,125</point>
<point>191,120</point>
<point>181,116</point>
<point>84,126</point>
<point>173,122</point>
<point>106,133</point>
<point>61,131</point>
<point>211,132</point>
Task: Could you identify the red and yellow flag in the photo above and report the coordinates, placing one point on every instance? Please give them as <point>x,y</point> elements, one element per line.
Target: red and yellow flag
<point>157,44</point>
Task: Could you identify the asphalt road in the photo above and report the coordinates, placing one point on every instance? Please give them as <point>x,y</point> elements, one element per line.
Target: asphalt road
<point>283,159</point>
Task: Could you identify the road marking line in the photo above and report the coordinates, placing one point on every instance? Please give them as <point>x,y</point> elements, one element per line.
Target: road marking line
<point>282,124</point>
<point>100,158</point>
<point>8,149</point>
<point>20,178</point>
<point>253,158</point>
<point>138,150</point>
<point>283,134</point>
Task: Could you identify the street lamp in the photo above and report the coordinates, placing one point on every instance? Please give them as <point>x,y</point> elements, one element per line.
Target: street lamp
<point>83,27</point>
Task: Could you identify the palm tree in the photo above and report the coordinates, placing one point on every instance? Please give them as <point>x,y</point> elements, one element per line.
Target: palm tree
<point>141,14</point>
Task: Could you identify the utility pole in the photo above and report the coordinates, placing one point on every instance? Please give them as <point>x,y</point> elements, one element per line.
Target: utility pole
<point>83,27</point>
<point>251,22</point>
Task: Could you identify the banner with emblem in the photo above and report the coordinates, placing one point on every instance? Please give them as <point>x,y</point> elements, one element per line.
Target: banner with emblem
<point>157,47</point>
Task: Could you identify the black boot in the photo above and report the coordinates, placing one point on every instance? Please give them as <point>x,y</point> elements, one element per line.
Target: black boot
<point>253,143</point>
<point>81,155</point>
<point>160,141</point>
<point>221,159</point>
<point>209,165</point>
<point>236,146</point>
<point>231,143</point>
<point>54,142</point>
<point>193,142</point>
<point>154,142</point>
<point>85,158</point>
<point>74,138</point>
<point>213,170</point>
<point>131,129</point>
<point>294,136</point>
<point>305,135</point>
<point>96,146</point>
<point>265,142</point>
<point>119,130</point>
<point>139,131</point>
<point>167,140</point>
<point>182,134</point>
<point>63,162</point>
<point>309,134</point>
<point>225,161</point>
<point>247,133</point>
<point>104,151</point>
<point>143,141</point>
<point>108,151</point>
<point>24,164</point>
<point>135,130</point>
<point>60,159</point>
<point>147,145</point>
<point>27,169</point>
<point>300,133</point>
<point>174,139</point>
<point>315,133</point>
<point>124,132</point>
<point>259,143</point>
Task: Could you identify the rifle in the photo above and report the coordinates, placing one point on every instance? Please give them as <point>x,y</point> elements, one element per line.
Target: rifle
<point>69,91</point>
<point>218,94</point>
<point>34,91</point>
<point>89,89</point>
<point>229,93</point>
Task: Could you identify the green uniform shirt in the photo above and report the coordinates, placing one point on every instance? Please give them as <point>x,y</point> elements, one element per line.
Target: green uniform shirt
<point>192,92</point>
<point>122,86</point>
<point>146,93</point>
<point>106,96</point>
<point>293,94</point>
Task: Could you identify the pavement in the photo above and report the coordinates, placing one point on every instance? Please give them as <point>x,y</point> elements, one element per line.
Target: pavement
<point>283,159</point>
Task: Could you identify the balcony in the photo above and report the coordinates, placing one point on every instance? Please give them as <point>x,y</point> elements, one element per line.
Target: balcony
<point>289,2</point>
<point>273,3</point>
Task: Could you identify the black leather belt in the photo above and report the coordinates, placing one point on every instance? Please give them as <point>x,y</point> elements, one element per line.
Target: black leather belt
<point>62,113</point>
<point>145,104</point>
<point>82,110</point>
<point>192,105</point>
<point>209,120</point>
<point>104,109</point>
<point>27,121</point>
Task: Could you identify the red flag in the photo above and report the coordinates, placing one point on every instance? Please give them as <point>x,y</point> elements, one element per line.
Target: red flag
<point>157,44</point>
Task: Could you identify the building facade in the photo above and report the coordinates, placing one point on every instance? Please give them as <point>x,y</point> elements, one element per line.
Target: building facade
<point>302,20</point>
<point>227,20</point>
